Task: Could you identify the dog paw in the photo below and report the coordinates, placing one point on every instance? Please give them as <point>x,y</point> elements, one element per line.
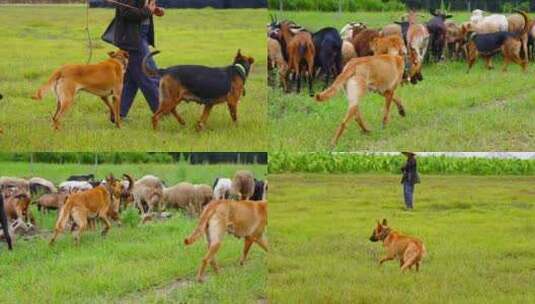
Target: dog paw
<point>402,112</point>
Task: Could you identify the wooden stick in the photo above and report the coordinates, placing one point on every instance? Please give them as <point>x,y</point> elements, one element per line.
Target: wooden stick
<point>121,4</point>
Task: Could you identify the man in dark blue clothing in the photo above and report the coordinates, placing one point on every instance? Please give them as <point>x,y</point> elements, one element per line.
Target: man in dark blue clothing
<point>410,178</point>
<point>132,30</point>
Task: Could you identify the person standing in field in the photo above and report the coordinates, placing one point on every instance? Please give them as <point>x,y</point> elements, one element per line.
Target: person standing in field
<point>132,30</point>
<point>410,178</point>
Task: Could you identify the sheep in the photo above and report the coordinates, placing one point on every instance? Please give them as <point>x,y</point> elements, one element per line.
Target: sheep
<point>489,24</point>
<point>41,185</point>
<point>222,188</point>
<point>81,178</point>
<point>74,186</point>
<point>276,60</point>
<point>147,194</point>
<point>188,197</point>
<point>20,184</point>
<point>51,201</point>
<point>243,184</point>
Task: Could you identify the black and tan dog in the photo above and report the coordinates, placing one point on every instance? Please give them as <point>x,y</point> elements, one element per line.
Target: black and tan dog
<point>488,45</point>
<point>204,85</point>
<point>409,250</point>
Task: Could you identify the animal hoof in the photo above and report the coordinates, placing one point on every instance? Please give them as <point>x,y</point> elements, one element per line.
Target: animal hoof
<point>402,113</point>
<point>200,280</point>
<point>199,127</point>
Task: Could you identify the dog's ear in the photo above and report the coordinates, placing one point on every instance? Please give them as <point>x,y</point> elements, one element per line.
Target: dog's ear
<point>238,54</point>
<point>251,60</point>
<point>111,54</point>
<point>384,222</point>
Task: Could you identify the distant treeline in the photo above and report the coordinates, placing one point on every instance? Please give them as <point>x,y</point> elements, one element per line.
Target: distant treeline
<point>377,163</point>
<point>220,4</point>
<point>397,5</point>
<point>133,157</point>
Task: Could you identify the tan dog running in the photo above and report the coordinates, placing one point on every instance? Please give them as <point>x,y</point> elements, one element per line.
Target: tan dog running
<point>381,74</point>
<point>103,79</point>
<point>102,202</point>
<point>243,219</point>
<point>409,250</point>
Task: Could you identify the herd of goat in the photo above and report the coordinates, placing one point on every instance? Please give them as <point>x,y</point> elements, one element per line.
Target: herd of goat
<point>301,55</point>
<point>148,194</point>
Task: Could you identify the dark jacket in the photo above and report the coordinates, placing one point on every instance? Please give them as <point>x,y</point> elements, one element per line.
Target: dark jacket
<point>124,30</point>
<point>410,172</point>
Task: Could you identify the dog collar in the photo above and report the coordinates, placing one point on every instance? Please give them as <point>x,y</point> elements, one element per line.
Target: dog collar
<point>241,70</point>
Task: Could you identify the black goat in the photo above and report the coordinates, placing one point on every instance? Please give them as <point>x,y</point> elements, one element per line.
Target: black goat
<point>328,58</point>
<point>82,178</point>
<point>437,31</point>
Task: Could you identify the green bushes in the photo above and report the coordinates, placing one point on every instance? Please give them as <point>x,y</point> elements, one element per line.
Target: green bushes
<point>89,158</point>
<point>376,163</point>
<point>334,5</point>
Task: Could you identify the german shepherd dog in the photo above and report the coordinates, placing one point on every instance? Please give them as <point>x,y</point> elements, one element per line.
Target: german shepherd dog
<point>243,219</point>
<point>488,45</point>
<point>102,202</point>
<point>409,250</point>
<point>103,79</point>
<point>204,85</point>
<point>5,223</point>
<point>381,74</point>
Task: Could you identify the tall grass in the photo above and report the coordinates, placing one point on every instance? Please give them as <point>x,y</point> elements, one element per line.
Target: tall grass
<point>280,162</point>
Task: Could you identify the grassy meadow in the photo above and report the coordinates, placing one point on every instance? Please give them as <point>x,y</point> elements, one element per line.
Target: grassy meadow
<point>39,39</point>
<point>449,111</point>
<point>478,231</point>
<point>147,263</point>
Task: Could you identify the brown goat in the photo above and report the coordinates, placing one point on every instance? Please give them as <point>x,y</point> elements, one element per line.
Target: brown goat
<point>17,208</point>
<point>51,201</point>
<point>301,54</point>
<point>276,60</point>
<point>362,40</point>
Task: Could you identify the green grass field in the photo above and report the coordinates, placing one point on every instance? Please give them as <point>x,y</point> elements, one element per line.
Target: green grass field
<point>478,232</point>
<point>449,111</point>
<point>147,263</point>
<point>39,39</point>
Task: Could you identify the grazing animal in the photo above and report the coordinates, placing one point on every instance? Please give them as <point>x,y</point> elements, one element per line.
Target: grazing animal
<point>382,74</point>
<point>51,201</point>
<point>437,31</point>
<point>348,52</point>
<point>301,54</point>
<point>204,85</point>
<point>40,185</point>
<point>362,38</point>
<point>487,45</point>
<point>5,225</point>
<point>488,24</point>
<point>346,33</point>
<point>328,49</point>
<point>74,186</point>
<point>260,190</point>
<point>191,198</point>
<point>276,61</point>
<point>21,185</point>
<point>407,249</point>
<point>103,79</point>
<point>531,41</point>
<point>395,29</point>
<point>147,194</point>
<point>243,184</point>
<point>222,188</point>
<point>17,208</point>
<point>516,24</point>
<point>243,219</point>
<point>454,40</point>
<point>100,202</point>
<point>417,44</point>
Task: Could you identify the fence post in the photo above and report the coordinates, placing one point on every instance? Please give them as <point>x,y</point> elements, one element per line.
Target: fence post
<point>469,6</point>
<point>96,164</point>
<point>31,163</point>
<point>281,6</point>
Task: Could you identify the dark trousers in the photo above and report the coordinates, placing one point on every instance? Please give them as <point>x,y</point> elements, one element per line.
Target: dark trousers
<point>408,191</point>
<point>135,78</point>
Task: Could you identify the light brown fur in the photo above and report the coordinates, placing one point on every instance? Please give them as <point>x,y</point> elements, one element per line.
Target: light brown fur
<point>243,219</point>
<point>382,74</point>
<point>389,45</point>
<point>407,249</point>
<point>301,52</point>
<point>17,208</point>
<point>243,184</point>
<point>103,79</point>
<point>276,61</point>
<point>102,202</point>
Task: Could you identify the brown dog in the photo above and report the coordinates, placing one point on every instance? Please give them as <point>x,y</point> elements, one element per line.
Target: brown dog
<point>243,219</point>
<point>204,85</point>
<point>102,202</point>
<point>409,250</point>
<point>102,79</point>
<point>382,74</point>
<point>388,45</point>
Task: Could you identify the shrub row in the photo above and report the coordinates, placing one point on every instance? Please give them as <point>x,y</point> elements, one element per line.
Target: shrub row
<point>376,163</point>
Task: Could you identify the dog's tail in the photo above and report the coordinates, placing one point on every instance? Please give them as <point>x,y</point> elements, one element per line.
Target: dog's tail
<point>206,214</point>
<point>339,82</point>
<point>147,69</point>
<point>46,87</point>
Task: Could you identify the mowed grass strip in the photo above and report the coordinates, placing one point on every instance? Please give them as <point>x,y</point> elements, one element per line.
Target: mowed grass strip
<point>40,39</point>
<point>449,111</point>
<point>130,264</point>
<point>477,230</point>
